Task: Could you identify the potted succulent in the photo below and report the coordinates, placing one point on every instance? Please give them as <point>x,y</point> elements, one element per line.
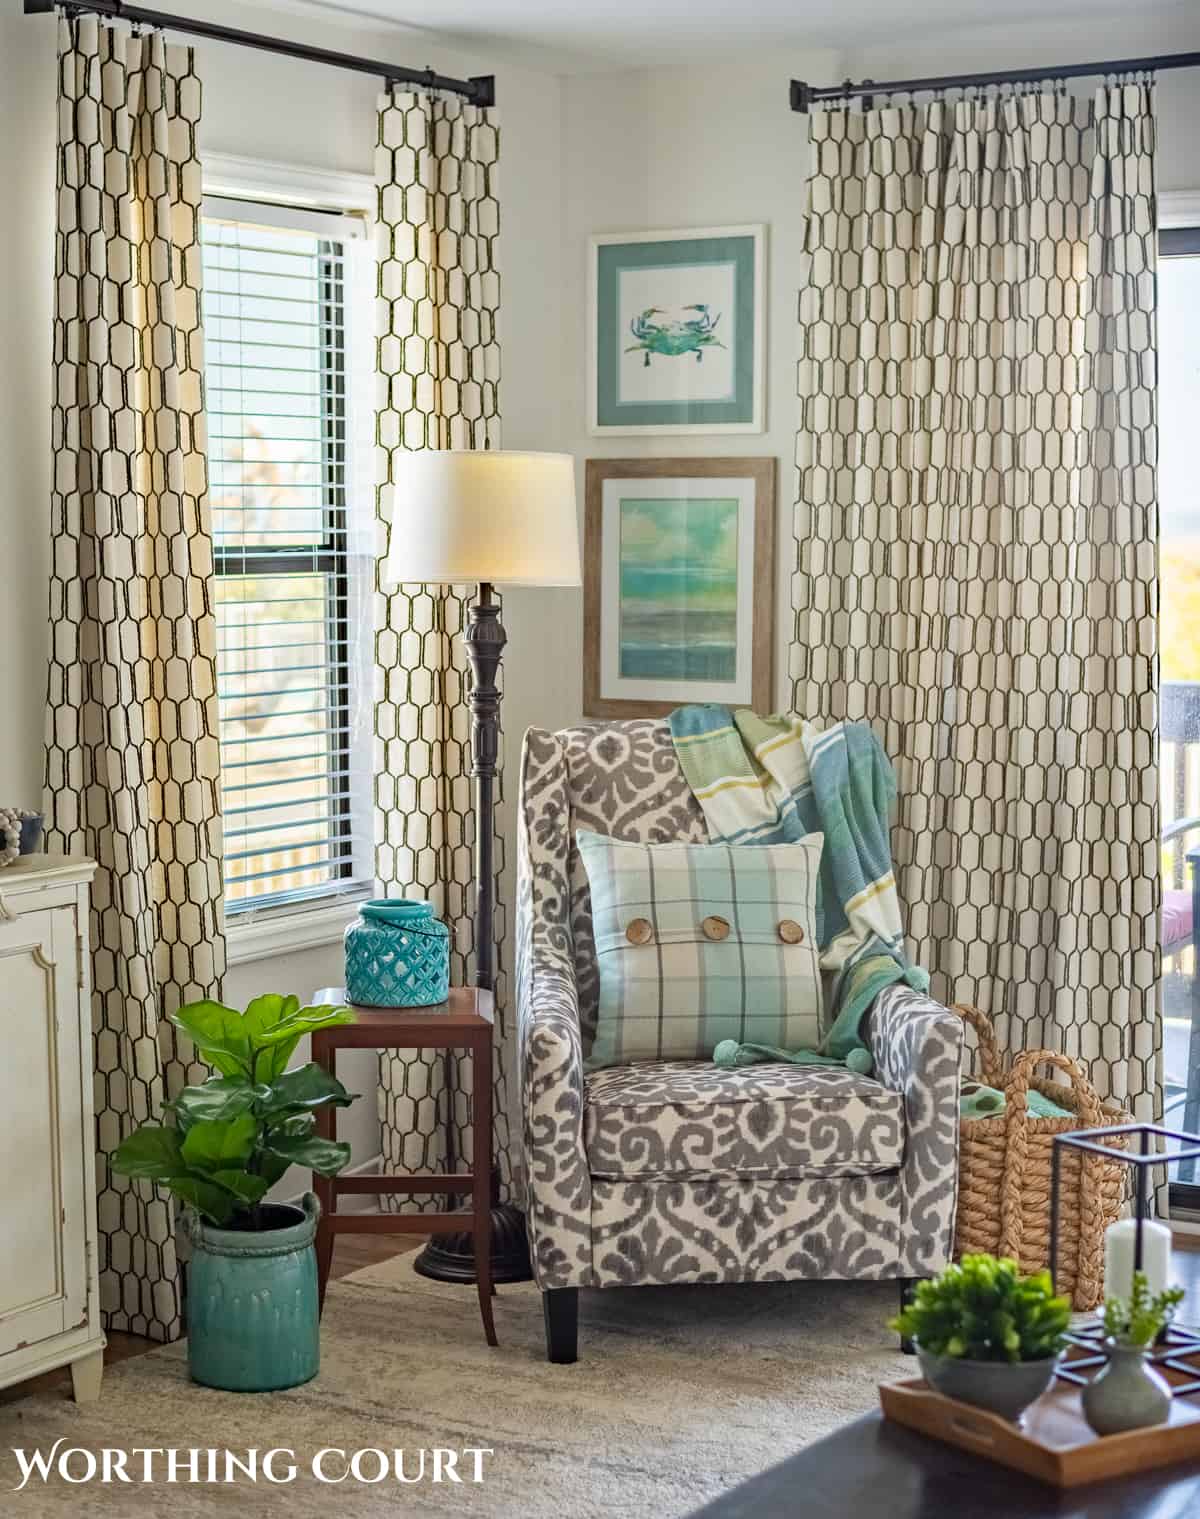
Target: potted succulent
<point>986,1335</point>
<point>252,1282</point>
<point>1129,1393</point>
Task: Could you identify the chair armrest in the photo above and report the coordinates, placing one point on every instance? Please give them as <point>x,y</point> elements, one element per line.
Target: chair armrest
<point>917,1046</point>
<point>557,1180</point>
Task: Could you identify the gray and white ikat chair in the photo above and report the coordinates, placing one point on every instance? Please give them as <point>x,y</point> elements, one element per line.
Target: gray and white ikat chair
<point>677,1171</point>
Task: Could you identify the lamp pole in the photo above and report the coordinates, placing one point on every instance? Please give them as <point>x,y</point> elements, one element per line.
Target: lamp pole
<point>485,639</point>
<point>451,1257</point>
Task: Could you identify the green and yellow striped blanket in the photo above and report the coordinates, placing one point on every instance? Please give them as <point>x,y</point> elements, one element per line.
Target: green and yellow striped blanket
<point>772,780</point>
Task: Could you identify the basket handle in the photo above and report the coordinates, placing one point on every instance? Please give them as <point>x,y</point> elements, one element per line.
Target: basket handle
<point>989,1052</point>
<point>1016,1096</point>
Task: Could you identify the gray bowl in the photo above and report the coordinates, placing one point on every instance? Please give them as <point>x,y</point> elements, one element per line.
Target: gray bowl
<point>1006,1388</point>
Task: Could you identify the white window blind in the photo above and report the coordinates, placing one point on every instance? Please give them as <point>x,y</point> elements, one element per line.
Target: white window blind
<point>279,399</point>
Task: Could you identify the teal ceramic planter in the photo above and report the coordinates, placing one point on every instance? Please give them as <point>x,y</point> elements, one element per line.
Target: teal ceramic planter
<point>397,955</point>
<point>252,1302</point>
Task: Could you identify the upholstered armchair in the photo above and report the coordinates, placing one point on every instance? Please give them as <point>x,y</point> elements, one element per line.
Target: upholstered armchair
<point>674,1171</point>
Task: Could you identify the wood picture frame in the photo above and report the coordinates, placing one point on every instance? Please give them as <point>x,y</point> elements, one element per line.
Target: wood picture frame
<point>630,501</point>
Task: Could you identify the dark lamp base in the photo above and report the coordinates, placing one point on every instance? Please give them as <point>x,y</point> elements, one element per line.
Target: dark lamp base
<point>451,1257</point>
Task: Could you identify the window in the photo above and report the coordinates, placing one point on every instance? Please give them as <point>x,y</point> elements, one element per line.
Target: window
<point>1179,518</point>
<point>280,402</point>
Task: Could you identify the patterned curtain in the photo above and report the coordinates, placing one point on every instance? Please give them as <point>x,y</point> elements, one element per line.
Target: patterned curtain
<point>977,541</point>
<point>131,736</point>
<point>438,368</point>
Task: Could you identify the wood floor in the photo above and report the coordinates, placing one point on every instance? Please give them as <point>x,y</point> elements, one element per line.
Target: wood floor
<point>356,1251</point>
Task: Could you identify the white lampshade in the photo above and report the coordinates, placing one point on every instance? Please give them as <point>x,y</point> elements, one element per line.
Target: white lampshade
<point>469,515</point>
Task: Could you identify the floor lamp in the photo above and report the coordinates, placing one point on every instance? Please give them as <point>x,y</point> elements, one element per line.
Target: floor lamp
<point>488,518</point>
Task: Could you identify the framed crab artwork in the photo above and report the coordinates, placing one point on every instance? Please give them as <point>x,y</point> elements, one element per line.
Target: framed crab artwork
<point>677,331</point>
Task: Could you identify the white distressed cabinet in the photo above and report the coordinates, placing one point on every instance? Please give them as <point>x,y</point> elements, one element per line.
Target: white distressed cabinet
<point>49,1295</point>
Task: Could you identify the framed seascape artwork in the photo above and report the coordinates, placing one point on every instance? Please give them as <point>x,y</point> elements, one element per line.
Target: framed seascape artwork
<point>679,580</point>
<point>677,332</point>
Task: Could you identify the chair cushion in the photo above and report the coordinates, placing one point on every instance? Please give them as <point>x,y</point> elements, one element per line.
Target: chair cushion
<point>673,1119</point>
<point>1176,920</point>
<point>697,943</point>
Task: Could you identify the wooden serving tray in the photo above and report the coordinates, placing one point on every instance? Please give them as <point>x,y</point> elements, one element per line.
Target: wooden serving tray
<point>1054,1442</point>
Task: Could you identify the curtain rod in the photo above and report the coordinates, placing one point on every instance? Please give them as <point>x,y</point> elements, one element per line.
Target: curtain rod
<point>802,95</point>
<point>479,91</point>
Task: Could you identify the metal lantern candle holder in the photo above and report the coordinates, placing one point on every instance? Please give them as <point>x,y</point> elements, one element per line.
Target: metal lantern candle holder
<point>1178,1348</point>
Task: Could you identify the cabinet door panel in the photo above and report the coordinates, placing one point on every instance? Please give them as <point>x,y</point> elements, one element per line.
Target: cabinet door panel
<point>42,1245</point>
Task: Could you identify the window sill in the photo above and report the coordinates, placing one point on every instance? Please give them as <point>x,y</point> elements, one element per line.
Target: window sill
<point>257,936</point>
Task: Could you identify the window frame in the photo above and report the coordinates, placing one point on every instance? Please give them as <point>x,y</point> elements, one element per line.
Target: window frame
<point>319,202</point>
<point>1179,237</point>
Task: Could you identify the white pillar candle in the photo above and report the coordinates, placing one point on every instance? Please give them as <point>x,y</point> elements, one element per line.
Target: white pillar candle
<point>1119,1245</point>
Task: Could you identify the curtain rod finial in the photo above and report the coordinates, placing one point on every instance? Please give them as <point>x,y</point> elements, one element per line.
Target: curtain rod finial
<point>800,96</point>
<point>484,92</point>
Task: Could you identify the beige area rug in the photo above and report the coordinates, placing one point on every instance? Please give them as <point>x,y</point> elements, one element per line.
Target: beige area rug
<point>679,1394</point>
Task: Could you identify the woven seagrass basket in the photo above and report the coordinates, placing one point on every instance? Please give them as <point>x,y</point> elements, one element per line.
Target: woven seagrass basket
<point>1004,1171</point>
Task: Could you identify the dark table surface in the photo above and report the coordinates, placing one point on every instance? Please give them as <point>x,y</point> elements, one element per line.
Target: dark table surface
<point>876,1470</point>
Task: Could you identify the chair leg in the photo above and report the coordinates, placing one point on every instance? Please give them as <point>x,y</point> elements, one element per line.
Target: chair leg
<point>560,1308</point>
<point>908,1288</point>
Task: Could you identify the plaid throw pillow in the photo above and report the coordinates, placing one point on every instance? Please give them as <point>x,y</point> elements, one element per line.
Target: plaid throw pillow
<point>702,942</point>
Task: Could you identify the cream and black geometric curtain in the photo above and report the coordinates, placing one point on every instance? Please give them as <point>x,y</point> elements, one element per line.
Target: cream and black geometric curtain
<point>438,371</point>
<point>131,736</point>
<point>977,540</point>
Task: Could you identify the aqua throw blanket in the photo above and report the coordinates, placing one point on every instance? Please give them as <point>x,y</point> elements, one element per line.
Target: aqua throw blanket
<point>772,780</point>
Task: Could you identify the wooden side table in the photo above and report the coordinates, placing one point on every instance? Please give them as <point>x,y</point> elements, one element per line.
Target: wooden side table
<point>464,1023</point>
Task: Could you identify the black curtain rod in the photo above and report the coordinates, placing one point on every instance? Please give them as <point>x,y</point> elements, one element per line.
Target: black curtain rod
<point>479,91</point>
<point>802,95</point>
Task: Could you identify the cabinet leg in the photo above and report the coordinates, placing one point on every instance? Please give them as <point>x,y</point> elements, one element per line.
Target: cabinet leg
<point>86,1373</point>
<point>560,1307</point>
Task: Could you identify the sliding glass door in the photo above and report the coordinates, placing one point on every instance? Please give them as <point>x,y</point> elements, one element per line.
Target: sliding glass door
<point>1179,515</point>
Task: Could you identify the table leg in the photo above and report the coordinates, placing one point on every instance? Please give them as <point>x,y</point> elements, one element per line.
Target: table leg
<point>481,1172</point>
<point>325,1055</point>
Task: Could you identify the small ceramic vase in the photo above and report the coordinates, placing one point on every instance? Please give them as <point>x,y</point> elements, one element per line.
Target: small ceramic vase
<point>397,955</point>
<point>1128,1394</point>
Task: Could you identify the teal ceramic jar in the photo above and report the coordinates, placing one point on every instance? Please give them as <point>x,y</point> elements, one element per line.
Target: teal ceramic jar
<point>397,955</point>
<point>252,1301</point>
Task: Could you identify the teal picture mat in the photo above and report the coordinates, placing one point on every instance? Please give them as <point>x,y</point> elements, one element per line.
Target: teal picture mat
<point>611,260</point>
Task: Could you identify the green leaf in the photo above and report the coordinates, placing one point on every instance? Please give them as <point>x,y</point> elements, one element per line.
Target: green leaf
<point>306,1020</point>
<point>216,1100</point>
<point>243,1184</point>
<point>307,1087</point>
<point>220,1146</point>
<point>277,1044</point>
<point>214,1202</point>
<point>271,1166</point>
<point>271,1060</point>
<point>324,1156</point>
<point>219,1033</point>
<point>151,1151</point>
<point>266,1011</point>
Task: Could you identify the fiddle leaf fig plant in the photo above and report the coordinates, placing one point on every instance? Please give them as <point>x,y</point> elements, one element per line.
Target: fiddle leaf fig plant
<point>982,1309</point>
<point>235,1134</point>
